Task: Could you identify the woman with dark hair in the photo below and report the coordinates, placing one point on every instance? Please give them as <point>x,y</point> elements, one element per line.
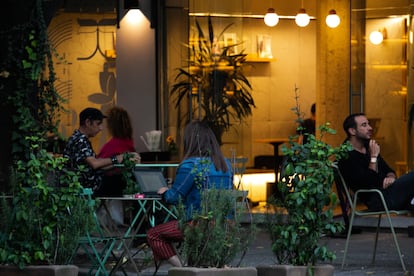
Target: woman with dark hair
<point>113,183</point>
<point>120,128</point>
<point>203,167</point>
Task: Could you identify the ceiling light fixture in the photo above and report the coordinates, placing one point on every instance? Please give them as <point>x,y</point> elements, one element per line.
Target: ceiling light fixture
<point>332,20</point>
<point>131,4</point>
<point>302,19</point>
<point>271,18</point>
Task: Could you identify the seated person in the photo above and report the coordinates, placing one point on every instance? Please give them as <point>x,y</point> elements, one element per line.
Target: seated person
<point>79,150</point>
<point>366,169</point>
<point>120,128</point>
<point>200,145</point>
<point>307,126</point>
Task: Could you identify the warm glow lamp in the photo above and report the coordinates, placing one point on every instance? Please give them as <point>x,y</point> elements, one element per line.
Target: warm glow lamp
<point>302,18</point>
<point>332,20</point>
<point>376,37</point>
<point>271,18</point>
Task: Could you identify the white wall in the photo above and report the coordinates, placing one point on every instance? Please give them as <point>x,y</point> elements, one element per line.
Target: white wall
<point>136,84</point>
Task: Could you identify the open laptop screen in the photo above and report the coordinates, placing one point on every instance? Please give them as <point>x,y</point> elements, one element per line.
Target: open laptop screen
<point>150,180</point>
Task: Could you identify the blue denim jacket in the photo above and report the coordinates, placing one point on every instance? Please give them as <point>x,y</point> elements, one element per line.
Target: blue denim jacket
<point>186,188</point>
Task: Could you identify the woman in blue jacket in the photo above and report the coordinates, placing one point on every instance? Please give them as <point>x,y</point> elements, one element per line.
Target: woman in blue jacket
<point>203,167</point>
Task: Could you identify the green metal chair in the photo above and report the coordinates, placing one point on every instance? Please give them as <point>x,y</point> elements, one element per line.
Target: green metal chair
<point>95,243</point>
<point>239,167</point>
<point>354,211</point>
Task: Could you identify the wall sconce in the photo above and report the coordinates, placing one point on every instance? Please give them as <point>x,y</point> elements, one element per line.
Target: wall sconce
<point>271,18</point>
<point>376,37</point>
<point>332,19</point>
<point>131,4</point>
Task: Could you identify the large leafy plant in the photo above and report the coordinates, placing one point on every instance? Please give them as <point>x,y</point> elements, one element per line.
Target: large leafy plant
<point>214,84</point>
<point>29,102</point>
<point>42,222</point>
<point>303,206</point>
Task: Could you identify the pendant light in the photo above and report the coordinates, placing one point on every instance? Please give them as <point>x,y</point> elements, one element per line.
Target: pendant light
<point>332,20</point>
<point>271,18</point>
<point>302,19</point>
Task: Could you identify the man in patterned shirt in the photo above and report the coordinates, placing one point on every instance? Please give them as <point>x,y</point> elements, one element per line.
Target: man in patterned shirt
<point>79,150</point>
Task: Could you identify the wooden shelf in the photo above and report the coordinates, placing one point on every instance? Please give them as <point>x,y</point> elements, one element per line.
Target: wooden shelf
<point>255,58</point>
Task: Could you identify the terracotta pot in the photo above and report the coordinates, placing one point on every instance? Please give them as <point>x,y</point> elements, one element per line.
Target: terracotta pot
<point>195,271</point>
<point>40,270</point>
<point>292,270</point>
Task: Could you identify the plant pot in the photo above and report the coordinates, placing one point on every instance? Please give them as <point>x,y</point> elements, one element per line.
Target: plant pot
<point>231,271</point>
<point>40,270</point>
<point>293,270</point>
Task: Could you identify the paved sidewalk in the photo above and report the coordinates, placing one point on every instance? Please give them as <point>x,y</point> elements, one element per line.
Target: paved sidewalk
<point>358,260</point>
<point>359,252</point>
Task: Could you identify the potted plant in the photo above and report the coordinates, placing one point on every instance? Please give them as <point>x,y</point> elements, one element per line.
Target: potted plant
<point>215,237</point>
<point>214,82</point>
<point>45,216</point>
<point>127,171</point>
<point>302,210</point>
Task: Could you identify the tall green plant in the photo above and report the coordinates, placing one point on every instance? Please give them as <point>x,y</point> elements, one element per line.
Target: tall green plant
<point>214,84</point>
<point>27,89</point>
<point>303,206</point>
<point>46,217</point>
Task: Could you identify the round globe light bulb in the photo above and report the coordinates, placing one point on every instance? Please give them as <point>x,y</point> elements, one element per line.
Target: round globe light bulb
<point>376,37</point>
<point>332,20</point>
<point>271,18</point>
<point>302,18</point>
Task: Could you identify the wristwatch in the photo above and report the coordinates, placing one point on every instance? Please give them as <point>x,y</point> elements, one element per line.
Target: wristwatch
<point>373,160</point>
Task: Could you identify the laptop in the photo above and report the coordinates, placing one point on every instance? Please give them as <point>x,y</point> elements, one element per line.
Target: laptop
<point>150,181</point>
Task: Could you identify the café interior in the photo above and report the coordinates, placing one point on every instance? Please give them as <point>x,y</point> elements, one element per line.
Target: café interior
<point>127,53</point>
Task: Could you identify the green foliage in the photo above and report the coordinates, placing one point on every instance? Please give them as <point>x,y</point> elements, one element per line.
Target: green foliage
<point>128,175</point>
<point>215,235</point>
<point>46,217</point>
<point>215,80</point>
<point>305,201</point>
<point>28,90</point>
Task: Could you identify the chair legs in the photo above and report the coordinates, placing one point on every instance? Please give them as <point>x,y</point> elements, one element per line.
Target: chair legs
<point>376,240</point>
<point>178,260</point>
<point>348,236</point>
<point>396,243</point>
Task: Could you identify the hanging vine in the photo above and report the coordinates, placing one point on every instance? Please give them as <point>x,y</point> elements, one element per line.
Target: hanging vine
<point>27,85</point>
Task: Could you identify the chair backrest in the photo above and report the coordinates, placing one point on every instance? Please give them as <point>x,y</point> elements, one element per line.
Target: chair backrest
<point>341,184</point>
<point>344,194</point>
<point>239,167</point>
<point>96,229</point>
<point>239,164</point>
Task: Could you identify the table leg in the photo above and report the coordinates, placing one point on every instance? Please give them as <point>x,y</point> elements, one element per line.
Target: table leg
<point>277,162</point>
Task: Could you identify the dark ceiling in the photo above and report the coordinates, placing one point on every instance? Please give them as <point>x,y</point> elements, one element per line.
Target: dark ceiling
<point>90,6</point>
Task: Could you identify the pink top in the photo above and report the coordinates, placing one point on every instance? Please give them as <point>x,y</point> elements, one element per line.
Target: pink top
<point>116,146</point>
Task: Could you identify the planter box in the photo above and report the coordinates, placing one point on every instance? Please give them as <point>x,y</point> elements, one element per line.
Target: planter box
<point>232,271</point>
<point>291,270</point>
<point>40,270</point>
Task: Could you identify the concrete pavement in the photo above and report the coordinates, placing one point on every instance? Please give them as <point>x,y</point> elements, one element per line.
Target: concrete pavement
<point>359,252</point>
